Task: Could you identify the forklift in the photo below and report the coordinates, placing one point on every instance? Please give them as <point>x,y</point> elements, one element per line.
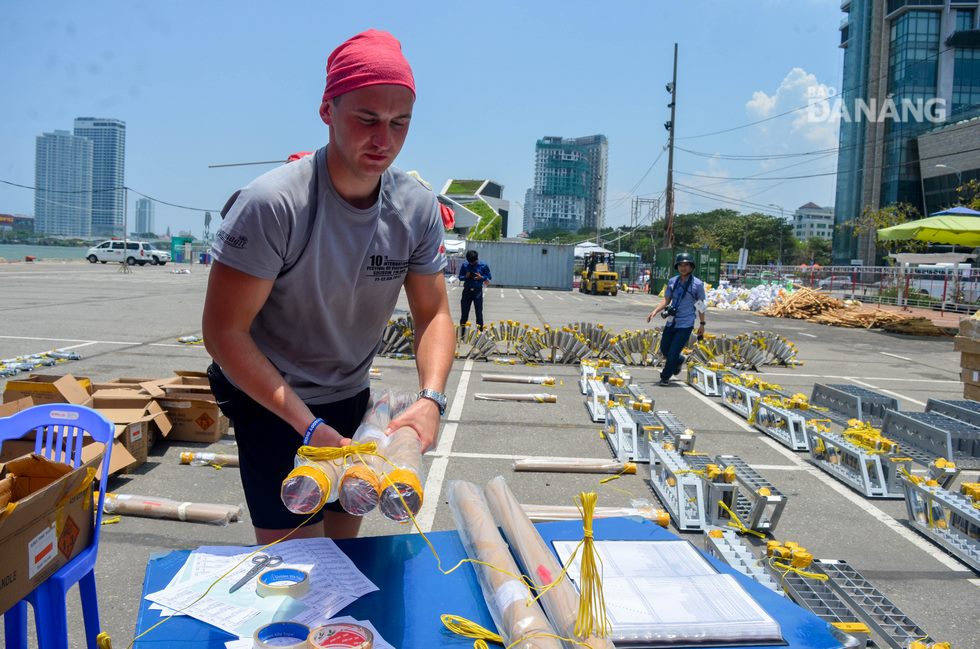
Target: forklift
<point>599,276</point>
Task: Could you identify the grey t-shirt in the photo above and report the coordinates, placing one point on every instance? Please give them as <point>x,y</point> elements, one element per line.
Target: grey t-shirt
<point>338,270</point>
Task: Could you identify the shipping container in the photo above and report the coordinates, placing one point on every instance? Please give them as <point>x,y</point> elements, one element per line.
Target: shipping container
<point>519,264</point>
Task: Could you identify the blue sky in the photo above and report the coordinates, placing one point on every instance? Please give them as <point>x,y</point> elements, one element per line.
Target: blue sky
<point>200,83</point>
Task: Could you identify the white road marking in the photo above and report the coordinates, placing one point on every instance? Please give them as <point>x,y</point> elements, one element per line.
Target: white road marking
<point>501,293</point>
<point>575,297</point>
<point>437,471</point>
<point>904,358</point>
<point>728,414</point>
<point>538,295</point>
<point>558,297</point>
<point>201,346</point>
<point>74,340</point>
<point>863,378</point>
<point>752,321</point>
<point>519,294</point>
<point>806,334</point>
<point>876,513</point>
<point>894,394</point>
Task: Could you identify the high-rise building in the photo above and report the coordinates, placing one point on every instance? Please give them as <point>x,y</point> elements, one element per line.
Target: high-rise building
<point>911,68</point>
<point>811,220</point>
<point>108,138</point>
<point>63,177</point>
<point>528,221</point>
<point>570,182</point>
<point>144,216</point>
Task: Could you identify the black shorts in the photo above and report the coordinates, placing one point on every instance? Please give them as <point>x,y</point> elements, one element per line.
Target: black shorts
<point>267,447</point>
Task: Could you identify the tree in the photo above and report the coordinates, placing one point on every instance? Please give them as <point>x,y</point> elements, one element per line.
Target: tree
<point>815,250</point>
<point>969,194</point>
<point>871,221</point>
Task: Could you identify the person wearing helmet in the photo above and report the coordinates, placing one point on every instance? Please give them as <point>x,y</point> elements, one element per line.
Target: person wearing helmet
<point>683,302</point>
<point>475,275</point>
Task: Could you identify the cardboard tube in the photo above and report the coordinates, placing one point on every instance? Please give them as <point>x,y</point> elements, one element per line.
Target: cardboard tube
<point>208,459</point>
<point>133,505</point>
<point>510,378</point>
<point>574,465</point>
<point>539,562</point>
<point>528,398</point>
<point>542,513</point>
<point>505,596</point>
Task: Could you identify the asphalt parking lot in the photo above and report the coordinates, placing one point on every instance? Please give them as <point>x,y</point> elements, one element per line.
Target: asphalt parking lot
<point>127,325</point>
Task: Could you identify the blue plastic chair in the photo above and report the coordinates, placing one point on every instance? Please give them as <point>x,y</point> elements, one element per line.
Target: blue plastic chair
<point>59,428</point>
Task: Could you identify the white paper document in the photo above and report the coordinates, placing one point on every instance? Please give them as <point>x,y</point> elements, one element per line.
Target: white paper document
<point>666,592</point>
<point>335,582</point>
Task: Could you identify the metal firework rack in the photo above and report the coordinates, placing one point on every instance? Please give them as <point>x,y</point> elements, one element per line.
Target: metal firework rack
<point>928,435</point>
<point>845,401</point>
<point>705,379</point>
<point>873,473</point>
<point>785,425</point>
<point>629,430</point>
<point>615,389</point>
<point>949,519</point>
<point>726,545</point>
<point>758,503</point>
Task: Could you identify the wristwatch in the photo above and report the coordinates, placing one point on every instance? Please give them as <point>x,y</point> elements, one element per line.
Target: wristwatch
<point>438,397</point>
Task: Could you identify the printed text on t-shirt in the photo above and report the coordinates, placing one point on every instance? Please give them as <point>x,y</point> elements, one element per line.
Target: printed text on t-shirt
<point>384,269</point>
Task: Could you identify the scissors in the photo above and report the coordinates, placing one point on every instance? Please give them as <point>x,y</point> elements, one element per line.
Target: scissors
<point>261,561</point>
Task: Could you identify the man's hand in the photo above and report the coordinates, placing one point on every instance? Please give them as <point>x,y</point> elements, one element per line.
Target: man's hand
<point>423,417</point>
<point>326,436</point>
<point>651,314</point>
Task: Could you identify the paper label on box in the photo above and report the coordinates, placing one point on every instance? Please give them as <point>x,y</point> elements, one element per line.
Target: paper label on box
<point>204,421</point>
<point>177,404</point>
<point>976,377</point>
<point>69,535</point>
<point>135,433</point>
<point>41,550</point>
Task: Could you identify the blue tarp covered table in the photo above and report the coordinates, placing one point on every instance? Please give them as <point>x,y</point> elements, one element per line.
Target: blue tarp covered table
<point>413,593</point>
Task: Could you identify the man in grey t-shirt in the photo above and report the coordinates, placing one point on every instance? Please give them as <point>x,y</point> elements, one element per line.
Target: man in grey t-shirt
<point>309,262</point>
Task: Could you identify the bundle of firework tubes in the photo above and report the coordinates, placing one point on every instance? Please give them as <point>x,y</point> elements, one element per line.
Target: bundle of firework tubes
<point>375,471</point>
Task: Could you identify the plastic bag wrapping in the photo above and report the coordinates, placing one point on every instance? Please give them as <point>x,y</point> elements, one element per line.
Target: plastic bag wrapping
<point>311,485</point>
<point>539,562</point>
<point>208,459</point>
<point>361,485</point>
<point>133,505</point>
<point>506,597</point>
<point>511,378</point>
<point>638,509</point>
<point>402,484</point>
<point>574,465</point>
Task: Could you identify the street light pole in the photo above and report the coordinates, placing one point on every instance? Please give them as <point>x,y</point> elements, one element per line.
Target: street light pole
<point>959,177</point>
<point>782,222</point>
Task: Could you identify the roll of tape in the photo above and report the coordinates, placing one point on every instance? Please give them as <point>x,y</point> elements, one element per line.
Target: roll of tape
<point>281,635</point>
<point>277,582</point>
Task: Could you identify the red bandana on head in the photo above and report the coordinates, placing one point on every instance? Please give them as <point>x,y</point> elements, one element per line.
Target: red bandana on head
<point>371,58</point>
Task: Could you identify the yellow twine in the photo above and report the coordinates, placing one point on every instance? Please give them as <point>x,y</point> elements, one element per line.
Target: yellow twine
<point>468,629</point>
<point>737,523</point>
<point>592,618</point>
<point>784,569</point>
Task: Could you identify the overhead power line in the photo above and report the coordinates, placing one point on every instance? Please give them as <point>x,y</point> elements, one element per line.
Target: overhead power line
<point>110,189</point>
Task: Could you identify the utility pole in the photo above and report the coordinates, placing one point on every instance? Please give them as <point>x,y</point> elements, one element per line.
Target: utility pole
<point>124,268</point>
<point>671,127</point>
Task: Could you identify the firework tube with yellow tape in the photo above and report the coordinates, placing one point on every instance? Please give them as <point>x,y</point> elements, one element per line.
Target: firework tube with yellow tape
<point>402,484</point>
<point>311,485</point>
<point>283,582</point>
<point>281,635</point>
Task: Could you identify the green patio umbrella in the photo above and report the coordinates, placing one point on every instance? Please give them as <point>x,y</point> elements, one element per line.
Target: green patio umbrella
<point>951,229</point>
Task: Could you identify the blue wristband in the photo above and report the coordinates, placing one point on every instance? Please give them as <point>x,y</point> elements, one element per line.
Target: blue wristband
<point>309,431</point>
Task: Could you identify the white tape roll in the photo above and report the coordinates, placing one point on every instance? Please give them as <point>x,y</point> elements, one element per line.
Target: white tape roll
<point>278,582</point>
<point>281,635</point>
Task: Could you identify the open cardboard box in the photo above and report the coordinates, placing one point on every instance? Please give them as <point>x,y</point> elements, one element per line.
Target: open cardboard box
<point>195,416</point>
<point>13,407</point>
<point>146,386</point>
<point>47,522</point>
<point>137,418</point>
<point>49,389</point>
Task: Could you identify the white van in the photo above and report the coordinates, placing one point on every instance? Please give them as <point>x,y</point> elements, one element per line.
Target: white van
<point>135,252</point>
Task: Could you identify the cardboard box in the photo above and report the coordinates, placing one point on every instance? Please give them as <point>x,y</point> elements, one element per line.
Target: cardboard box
<point>971,391</point>
<point>50,524</point>
<point>7,409</point>
<point>146,386</point>
<point>91,450</point>
<point>970,328</point>
<point>49,389</point>
<point>966,345</point>
<point>970,361</point>
<point>133,415</point>
<point>195,417</point>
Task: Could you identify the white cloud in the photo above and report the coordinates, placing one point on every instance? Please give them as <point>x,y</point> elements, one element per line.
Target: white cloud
<point>802,92</point>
